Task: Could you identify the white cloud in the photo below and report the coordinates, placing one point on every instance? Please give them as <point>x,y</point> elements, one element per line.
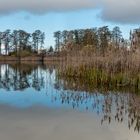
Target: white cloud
<point>123,11</point>
<point>42,6</point>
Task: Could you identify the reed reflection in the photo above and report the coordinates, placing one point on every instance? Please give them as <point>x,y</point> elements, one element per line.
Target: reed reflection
<point>113,106</point>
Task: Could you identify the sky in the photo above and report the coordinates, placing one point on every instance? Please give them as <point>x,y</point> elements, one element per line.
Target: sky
<point>53,15</point>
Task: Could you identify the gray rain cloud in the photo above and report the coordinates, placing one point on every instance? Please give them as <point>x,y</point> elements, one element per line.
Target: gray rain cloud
<point>121,11</point>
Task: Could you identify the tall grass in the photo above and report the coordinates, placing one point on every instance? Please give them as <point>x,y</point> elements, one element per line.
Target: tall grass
<point>116,67</point>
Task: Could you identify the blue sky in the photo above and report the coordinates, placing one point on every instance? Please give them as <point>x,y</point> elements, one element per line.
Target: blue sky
<point>50,21</point>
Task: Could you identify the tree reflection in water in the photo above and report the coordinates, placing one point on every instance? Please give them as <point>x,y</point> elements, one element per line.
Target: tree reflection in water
<point>111,105</point>
<point>20,77</point>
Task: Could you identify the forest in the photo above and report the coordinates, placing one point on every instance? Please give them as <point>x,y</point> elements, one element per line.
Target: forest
<point>100,39</point>
<point>18,41</point>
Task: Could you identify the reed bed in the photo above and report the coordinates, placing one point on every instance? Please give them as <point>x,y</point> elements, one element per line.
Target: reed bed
<point>117,67</point>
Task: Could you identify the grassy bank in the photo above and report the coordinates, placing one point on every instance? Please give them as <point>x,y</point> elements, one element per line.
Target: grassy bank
<point>116,68</point>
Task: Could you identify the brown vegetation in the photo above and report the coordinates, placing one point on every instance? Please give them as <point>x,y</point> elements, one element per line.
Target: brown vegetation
<point>109,65</point>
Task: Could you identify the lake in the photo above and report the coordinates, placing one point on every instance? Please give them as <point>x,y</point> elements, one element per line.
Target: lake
<point>36,104</point>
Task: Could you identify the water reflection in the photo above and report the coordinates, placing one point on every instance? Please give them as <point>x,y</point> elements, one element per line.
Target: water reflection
<point>20,77</point>
<point>39,85</point>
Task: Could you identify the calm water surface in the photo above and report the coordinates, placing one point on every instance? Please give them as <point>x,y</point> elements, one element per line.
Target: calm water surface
<point>35,105</point>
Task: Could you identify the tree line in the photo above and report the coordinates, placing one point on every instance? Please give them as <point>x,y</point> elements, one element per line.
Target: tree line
<point>100,38</point>
<point>19,40</point>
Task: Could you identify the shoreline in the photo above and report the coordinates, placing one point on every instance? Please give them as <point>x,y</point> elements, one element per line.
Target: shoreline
<point>31,58</point>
